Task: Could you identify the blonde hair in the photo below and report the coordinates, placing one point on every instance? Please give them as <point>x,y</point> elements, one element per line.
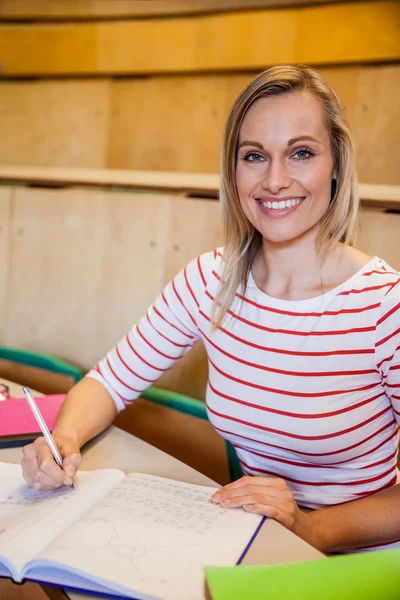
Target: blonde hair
<point>242,240</point>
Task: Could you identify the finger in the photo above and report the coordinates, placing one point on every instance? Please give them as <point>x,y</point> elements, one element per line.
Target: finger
<point>249,490</point>
<point>38,454</point>
<point>48,465</point>
<point>238,501</point>
<point>37,478</point>
<point>274,482</point>
<point>41,482</point>
<point>273,512</point>
<point>71,457</point>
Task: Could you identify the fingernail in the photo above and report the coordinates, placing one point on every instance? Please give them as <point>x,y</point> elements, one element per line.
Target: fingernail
<point>225,502</point>
<point>70,471</point>
<point>215,498</point>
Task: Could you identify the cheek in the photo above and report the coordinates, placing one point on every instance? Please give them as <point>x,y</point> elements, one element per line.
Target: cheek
<point>317,183</point>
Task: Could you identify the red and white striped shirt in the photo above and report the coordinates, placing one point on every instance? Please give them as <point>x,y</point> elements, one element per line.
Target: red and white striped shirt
<point>305,390</point>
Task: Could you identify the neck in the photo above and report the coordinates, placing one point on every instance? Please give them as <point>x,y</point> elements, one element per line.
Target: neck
<point>290,270</point>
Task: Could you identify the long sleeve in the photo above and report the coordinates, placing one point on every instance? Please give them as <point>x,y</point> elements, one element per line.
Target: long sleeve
<point>387,347</point>
<point>157,341</point>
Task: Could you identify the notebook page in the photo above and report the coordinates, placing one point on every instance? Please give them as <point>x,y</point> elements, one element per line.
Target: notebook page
<point>153,536</point>
<point>30,519</point>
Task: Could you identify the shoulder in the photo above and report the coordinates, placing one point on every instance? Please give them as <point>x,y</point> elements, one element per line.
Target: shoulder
<point>369,274</point>
<point>204,266</point>
<point>391,280</point>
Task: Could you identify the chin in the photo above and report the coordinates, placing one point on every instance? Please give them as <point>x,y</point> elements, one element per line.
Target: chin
<point>287,236</point>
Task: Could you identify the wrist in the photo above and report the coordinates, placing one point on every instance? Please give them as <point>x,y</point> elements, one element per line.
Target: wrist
<point>306,527</point>
<point>71,437</point>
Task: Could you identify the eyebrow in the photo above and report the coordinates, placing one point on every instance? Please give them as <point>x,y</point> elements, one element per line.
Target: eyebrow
<point>290,142</point>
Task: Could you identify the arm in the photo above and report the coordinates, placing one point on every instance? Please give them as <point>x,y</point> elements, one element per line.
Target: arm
<point>364,522</point>
<point>371,520</point>
<point>152,346</point>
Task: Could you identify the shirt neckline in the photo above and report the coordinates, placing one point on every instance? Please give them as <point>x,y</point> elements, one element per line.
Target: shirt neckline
<point>307,302</point>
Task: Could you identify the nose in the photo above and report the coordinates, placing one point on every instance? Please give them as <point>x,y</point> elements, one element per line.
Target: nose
<point>276,177</point>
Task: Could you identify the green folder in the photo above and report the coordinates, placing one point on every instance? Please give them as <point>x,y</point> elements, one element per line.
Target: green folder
<point>365,576</point>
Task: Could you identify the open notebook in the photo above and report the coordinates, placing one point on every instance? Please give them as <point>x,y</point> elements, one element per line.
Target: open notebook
<point>136,536</point>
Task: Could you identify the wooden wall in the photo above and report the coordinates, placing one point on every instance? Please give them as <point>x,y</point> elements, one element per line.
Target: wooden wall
<point>80,266</point>
<point>180,78</point>
<point>176,122</point>
<point>53,10</point>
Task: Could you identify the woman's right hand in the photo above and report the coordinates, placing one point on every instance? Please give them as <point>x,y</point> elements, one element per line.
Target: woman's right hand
<point>41,470</point>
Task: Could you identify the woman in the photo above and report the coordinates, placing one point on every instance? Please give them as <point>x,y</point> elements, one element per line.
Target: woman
<point>301,330</point>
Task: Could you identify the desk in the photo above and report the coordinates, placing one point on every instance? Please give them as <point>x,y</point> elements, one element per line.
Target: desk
<point>115,448</point>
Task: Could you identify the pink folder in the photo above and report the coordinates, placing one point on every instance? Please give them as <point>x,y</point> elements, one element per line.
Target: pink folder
<point>17,422</point>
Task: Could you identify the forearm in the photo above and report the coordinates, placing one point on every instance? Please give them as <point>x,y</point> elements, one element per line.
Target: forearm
<point>364,522</point>
<point>87,410</point>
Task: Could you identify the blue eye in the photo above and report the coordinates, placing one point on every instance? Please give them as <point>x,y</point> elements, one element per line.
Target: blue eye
<point>253,157</point>
<point>303,154</point>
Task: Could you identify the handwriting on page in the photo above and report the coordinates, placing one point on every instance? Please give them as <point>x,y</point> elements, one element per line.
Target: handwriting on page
<point>30,519</point>
<point>152,536</point>
<point>165,502</point>
<point>148,533</point>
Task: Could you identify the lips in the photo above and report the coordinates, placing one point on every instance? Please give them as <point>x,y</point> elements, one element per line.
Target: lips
<point>278,208</point>
<point>280,203</point>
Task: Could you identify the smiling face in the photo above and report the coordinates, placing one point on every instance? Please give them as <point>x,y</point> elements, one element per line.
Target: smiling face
<point>284,166</point>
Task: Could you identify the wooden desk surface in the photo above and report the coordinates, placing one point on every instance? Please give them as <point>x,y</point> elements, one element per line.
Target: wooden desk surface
<point>117,449</point>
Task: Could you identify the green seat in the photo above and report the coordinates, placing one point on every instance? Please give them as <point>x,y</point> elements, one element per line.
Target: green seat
<point>195,408</point>
<point>41,361</point>
<point>173,400</point>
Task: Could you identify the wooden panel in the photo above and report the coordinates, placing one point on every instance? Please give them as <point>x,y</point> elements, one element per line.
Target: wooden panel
<point>358,32</point>
<point>379,235</point>
<point>195,227</point>
<point>54,123</point>
<point>190,374</point>
<point>177,123</point>
<point>367,94</point>
<point>92,263</point>
<point>205,185</point>
<point>179,126</point>
<point>173,123</point>
<point>6,195</point>
<point>100,9</point>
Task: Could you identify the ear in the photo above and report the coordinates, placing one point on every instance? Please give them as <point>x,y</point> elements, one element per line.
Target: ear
<point>333,188</point>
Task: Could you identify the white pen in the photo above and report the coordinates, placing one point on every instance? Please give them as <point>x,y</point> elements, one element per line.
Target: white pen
<point>45,430</point>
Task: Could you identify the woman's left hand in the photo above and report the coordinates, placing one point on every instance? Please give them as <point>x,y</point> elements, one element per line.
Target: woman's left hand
<point>269,496</point>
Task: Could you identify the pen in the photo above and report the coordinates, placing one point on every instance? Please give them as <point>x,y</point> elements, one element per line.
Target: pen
<point>45,430</point>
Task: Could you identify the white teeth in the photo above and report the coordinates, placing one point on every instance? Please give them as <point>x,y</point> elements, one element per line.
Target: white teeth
<point>281,204</point>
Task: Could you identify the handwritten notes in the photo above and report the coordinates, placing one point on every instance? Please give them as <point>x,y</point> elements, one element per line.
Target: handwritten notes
<point>148,533</point>
<point>166,502</point>
<point>30,519</point>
